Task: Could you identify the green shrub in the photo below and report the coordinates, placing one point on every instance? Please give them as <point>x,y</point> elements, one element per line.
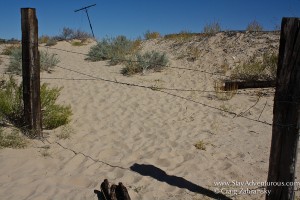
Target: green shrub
<point>141,63</point>
<point>11,101</point>
<point>255,69</point>
<point>212,28</point>
<point>54,115</point>
<point>11,105</point>
<point>114,49</point>
<point>151,35</point>
<point>12,140</point>
<point>254,26</point>
<point>47,61</point>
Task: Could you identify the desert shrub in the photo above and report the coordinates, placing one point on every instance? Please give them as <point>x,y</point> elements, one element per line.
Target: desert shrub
<point>256,69</point>
<point>47,61</point>
<point>70,34</point>
<point>8,50</point>
<point>12,140</point>
<point>212,28</point>
<point>11,102</point>
<point>11,105</point>
<point>151,35</point>
<point>51,42</point>
<point>54,115</point>
<point>201,145</point>
<point>254,26</point>
<point>113,49</point>
<point>141,63</point>
<point>65,132</point>
<point>43,39</point>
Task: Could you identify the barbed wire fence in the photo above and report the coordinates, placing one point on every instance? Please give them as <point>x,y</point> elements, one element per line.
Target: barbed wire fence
<point>164,90</point>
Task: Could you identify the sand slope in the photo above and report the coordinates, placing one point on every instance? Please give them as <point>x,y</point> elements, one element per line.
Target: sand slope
<point>145,138</point>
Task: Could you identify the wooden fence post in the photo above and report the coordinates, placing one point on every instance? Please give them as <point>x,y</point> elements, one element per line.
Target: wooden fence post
<point>31,71</point>
<point>286,119</point>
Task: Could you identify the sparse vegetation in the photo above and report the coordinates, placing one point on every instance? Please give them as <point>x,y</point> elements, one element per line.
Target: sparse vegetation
<point>257,69</point>
<point>71,34</point>
<point>47,61</point>
<point>254,26</point>
<point>201,145</point>
<point>151,35</point>
<point>114,49</point>
<point>212,28</point>
<point>65,132</point>
<point>9,49</point>
<point>51,42</point>
<point>11,105</point>
<point>13,139</point>
<point>182,36</point>
<point>44,39</point>
<point>141,63</point>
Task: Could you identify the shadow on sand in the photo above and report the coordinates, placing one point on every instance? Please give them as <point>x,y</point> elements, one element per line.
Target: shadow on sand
<point>160,175</point>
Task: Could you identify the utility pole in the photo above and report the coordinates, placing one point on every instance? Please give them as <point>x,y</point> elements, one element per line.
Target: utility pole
<point>87,14</point>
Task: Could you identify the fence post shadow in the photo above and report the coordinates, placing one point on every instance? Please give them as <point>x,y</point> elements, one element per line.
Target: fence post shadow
<point>162,176</point>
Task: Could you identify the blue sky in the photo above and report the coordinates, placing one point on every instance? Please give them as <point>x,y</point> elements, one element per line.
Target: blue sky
<point>133,18</point>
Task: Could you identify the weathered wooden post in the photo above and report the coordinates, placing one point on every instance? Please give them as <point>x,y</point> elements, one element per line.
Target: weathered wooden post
<point>31,71</point>
<point>286,120</point>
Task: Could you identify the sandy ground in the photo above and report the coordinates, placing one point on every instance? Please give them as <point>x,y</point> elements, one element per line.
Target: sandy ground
<point>145,138</point>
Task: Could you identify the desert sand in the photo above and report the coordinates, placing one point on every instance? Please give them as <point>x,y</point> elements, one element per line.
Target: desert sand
<point>145,138</point>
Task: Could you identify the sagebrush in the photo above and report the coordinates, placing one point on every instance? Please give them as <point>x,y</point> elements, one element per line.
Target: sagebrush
<point>113,49</point>
<point>141,63</point>
<point>12,139</point>
<point>47,61</point>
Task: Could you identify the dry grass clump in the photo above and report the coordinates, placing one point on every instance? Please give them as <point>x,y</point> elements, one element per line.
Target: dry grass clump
<point>51,42</point>
<point>254,26</point>
<point>141,63</point>
<point>201,145</point>
<point>212,28</point>
<point>65,133</point>
<point>257,69</point>
<point>71,34</point>
<point>13,139</point>
<point>151,35</point>
<point>9,49</point>
<point>44,39</point>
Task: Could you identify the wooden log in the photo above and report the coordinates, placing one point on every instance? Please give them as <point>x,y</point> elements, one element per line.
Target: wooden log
<point>31,72</point>
<point>114,192</point>
<point>122,192</point>
<point>230,85</point>
<point>105,189</point>
<point>286,119</point>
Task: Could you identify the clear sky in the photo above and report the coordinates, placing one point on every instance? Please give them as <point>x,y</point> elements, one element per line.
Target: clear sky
<point>133,18</point>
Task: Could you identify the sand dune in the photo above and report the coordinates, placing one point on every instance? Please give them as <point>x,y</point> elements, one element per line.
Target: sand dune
<point>145,138</point>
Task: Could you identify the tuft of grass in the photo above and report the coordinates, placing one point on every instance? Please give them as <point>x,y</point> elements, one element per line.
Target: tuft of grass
<point>44,39</point>
<point>182,36</point>
<point>47,61</point>
<point>212,28</point>
<point>256,69</point>
<point>151,35</point>
<point>201,145</point>
<point>141,63</point>
<point>9,49</point>
<point>12,140</point>
<point>77,43</point>
<point>66,132</point>
<point>45,153</point>
<point>254,26</point>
